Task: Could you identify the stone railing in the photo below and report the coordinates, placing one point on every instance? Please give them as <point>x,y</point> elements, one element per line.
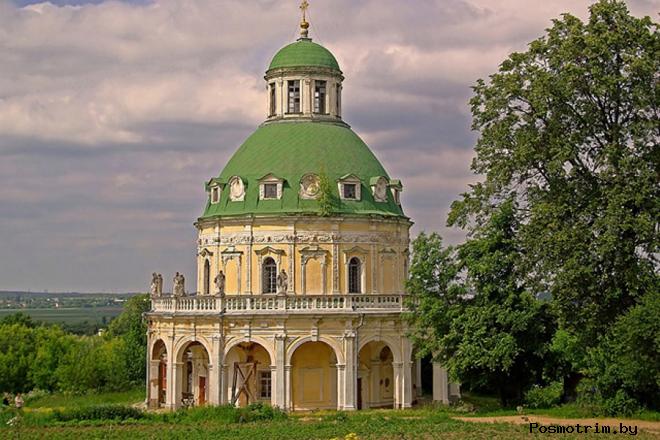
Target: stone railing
<point>255,304</point>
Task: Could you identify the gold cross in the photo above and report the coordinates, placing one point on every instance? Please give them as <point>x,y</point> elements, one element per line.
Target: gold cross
<point>303,7</point>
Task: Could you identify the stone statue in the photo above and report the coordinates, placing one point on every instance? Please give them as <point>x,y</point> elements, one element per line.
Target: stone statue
<point>282,282</point>
<point>154,284</point>
<point>179,285</point>
<point>220,283</point>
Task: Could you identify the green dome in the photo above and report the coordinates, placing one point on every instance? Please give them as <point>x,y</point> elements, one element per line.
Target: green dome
<point>290,150</point>
<point>304,53</point>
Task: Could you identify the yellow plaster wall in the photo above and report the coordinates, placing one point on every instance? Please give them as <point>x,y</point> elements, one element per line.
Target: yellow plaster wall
<point>314,377</point>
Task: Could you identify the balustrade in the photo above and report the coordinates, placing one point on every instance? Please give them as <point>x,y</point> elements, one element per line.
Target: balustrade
<point>247,304</point>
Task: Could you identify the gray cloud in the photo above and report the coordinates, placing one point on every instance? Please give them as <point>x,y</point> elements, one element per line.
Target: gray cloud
<point>113,114</point>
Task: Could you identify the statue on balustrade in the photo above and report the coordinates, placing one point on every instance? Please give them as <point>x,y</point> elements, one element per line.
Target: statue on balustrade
<point>156,284</point>
<point>282,282</point>
<point>179,285</point>
<point>220,283</point>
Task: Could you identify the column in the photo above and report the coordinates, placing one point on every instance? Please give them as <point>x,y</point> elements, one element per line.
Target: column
<point>280,383</point>
<point>440,386</point>
<point>148,372</point>
<point>291,288</point>
<point>288,402</point>
<point>406,386</point>
<point>341,370</point>
<point>152,383</point>
<point>174,385</point>
<point>335,268</point>
<point>350,372</point>
<point>216,378</point>
<point>398,382</point>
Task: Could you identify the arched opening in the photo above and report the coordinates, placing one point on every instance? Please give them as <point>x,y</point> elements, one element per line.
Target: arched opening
<point>207,277</point>
<point>249,376</point>
<point>269,275</point>
<point>375,376</point>
<point>355,275</point>
<point>194,375</point>
<point>314,377</point>
<point>158,375</point>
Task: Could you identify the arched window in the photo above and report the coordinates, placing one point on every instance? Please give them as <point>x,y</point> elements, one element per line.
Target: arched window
<point>269,276</point>
<point>354,275</point>
<point>207,277</point>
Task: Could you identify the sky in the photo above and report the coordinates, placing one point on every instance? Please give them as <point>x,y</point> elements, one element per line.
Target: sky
<point>113,114</point>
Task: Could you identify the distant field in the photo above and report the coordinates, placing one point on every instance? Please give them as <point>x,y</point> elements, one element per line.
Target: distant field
<point>72,315</point>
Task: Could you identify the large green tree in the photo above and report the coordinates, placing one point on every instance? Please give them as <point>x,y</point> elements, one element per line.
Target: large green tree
<point>569,129</point>
<point>475,315</point>
<point>131,328</point>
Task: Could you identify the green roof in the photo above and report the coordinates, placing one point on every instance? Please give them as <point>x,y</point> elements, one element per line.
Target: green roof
<point>290,150</point>
<point>304,53</point>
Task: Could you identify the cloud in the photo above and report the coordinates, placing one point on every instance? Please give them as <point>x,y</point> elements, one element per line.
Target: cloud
<point>113,114</point>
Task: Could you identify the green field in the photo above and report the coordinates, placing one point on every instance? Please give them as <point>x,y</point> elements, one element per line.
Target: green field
<point>222,423</point>
<point>69,315</point>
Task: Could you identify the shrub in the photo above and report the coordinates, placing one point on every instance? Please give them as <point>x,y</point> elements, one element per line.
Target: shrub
<point>544,397</point>
<point>259,411</point>
<point>98,412</point>
<point>621,404</point>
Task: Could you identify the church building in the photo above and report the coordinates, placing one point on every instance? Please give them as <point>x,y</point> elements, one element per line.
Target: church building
<point>302,257</point>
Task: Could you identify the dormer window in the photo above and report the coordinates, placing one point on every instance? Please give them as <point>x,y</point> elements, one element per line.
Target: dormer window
<point>397,188</point>
<point>293,87</point>
<point>349,187</point>
<point>215,195</point>
<point>350,191</point>
<point>270,191</point>
<point>270,187</point>
<point>319,97</point>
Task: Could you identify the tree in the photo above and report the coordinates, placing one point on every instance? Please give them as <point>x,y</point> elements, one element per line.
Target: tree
<point>17,349</point>
<point>569,130</point>
<point>484,325</point>
<point>131,328</point>
<point>627,362</point>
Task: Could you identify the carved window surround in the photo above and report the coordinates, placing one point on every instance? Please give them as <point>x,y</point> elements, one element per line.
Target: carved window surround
<point>266,252</point>
<point>316,253</point>
<point>361,254</point>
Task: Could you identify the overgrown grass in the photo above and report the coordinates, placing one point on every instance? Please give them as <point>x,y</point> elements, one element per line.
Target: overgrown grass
<point>61,400</point>
<point>88,417</point>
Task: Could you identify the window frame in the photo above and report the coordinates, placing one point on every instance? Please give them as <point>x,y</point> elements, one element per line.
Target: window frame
<point>355,279</point>
<point>268,280</point>
<point>215,195</point>
<point>270,186</point>
<point>265,393</point>
<point>294,97</point>
<point>272,108</point>
<point>320,107</point>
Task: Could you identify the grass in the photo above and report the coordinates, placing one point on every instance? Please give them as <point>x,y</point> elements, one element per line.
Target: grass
<point>59,401</point>
<point>427,422</point>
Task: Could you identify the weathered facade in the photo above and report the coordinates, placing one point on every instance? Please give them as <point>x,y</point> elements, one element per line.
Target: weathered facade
<point>302,259</point>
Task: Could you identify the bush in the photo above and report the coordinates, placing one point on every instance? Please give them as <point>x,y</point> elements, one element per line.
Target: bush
<point>98,412</point>
<point>259,411</point>
<point>621,404</point>
<point>544,397</point>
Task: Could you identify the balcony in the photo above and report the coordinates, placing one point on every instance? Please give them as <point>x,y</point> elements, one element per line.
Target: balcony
<point>268,305</point>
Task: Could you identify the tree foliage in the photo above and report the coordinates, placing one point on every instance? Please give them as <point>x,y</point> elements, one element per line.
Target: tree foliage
<point>472,312</point>
<point>48,358</point>
<point>570,130</point>
<point>569,208</point>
